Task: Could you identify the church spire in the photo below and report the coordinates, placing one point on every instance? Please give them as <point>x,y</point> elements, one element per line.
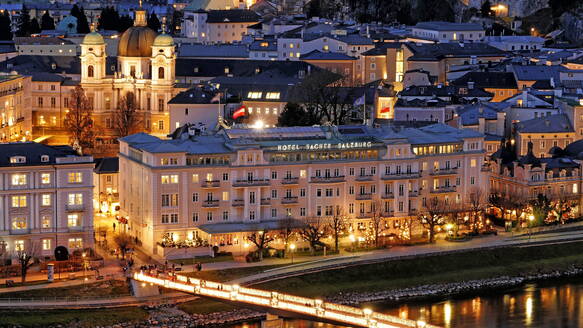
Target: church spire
<point>140,16</point>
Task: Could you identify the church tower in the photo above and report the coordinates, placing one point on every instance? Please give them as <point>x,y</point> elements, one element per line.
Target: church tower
<point>93,58</point>
<point>163,59</point>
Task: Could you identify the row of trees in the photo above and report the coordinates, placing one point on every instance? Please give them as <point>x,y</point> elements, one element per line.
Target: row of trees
<point>27,26</point>
<point>79,120</point>
<point>110,19</point>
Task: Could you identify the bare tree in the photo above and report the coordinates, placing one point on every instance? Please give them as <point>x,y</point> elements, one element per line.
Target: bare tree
<point>432,215</point>
<point>337,225</point>
<point>406,228</point>
<point>287,230</point>
<point>25,258</point>
<point>261,241</point>
<point>79,120</point>
<point>126,116</point>
<point>562,203</point>
<point>124,242</point>
<point>377,222</point>
<point>324,97</point>
<point>476,203</point>
<point>313,232</point>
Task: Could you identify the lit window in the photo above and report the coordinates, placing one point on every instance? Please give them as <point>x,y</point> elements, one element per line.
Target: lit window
<point>45,178</point>
<point>166,179</point>
<point>75,199</point>
<point>19,179</point>
<point>73,220</point>
<point>473,163</point>
<point>46,244</point>
<point>19,201</point>
<point>575,188</point>
<point>19,245</point>
<point>195,178</point>
<point>75,177</point>
<point>254,95</point>
<point>75,243</point>
<point>46,200</point>
<point>302,173</point>
<point>18,223</point>
<point>46,221</point>
<point>225,195</point>
<point>272,95</point>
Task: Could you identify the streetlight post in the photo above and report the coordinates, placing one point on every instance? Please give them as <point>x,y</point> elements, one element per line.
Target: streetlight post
<point>84,255</point>
<point>292,247</point>
<point>530,221</point>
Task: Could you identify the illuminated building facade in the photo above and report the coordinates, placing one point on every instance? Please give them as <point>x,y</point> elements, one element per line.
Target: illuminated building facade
<point>202,190</point>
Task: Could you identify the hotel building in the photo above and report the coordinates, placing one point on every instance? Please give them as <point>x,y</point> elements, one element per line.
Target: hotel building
<point>217,189</point>
<point>45,198</point>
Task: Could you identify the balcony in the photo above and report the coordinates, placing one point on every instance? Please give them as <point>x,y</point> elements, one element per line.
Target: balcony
<point>443,189</point>
<point>398,176</point>
<point>413,193</point>
<point>388,196</point>
<point>251,183</point>
<point>336,179</point>
<point>210,184</point>
<point>364,196</point>
<point>265,201</point>
<point>367,215</point>
<point>19,231</point>
<point>238,202</point>
<point>75,207</point>
<point>389,213</point>
<point>445,171</point>
<point>210,203</point>
<point>413,211</point>
<point>290,200</point>
<point>290,181</point>
<point>368,177</point>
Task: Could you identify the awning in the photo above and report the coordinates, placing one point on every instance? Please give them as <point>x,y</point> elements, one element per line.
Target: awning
<point>250,226</point>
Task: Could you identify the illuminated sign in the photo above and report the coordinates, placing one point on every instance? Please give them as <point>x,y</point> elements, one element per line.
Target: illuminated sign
<point>325,146</point>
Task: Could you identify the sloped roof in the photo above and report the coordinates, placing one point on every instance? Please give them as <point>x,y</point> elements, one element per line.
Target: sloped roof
<point>106,165</point>
<point>495,80</point>
<point>232,16</point>
<point>33,152</point>
<point>319,55</point>
<point>448,26</point>
<point>558,123</point>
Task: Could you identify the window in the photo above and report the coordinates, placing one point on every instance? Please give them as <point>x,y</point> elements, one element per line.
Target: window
<point>225,176</point>
<point>251,215</point>
<point>19,179</point>
<point>195,197</point>
<point>274,212</point>
<point>302,192</point>
<point>160,72</point>
<point>195,178</point>
<point>19,201</point>
<point>272,95</point>
<point>19,223</point>
<point>209,216</point>
<point>19,245</point>
<point>195,217</point>
<point>45,178</point>
<point>46,221</point>
<point>274,194</point>
<point>75,199</point>
<point>472,180</point>
<point>46,200</point>
<point>225,195</point>
<point>166,179</point>
<point>75,243</point>
<point>75,177</point>
<point>473,162</point>
<point>73,220</point>
<point>161,125</point>
<point>254,95</point>
<point>46,244</point>
<point>174,218</point>
<point>302,211</point>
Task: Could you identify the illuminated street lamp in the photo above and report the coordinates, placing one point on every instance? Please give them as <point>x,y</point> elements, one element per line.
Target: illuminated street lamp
<point>530,221</point>
<point>292,247</point>
<point>84,256</point>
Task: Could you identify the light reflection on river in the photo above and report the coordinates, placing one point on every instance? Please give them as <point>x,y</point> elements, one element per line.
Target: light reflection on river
<point>558,305</point>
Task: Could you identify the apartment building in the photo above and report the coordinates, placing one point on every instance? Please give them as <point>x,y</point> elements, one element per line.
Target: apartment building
<point>45,198</point>
<point>15,120</point>
<point>448,32</point>
<point>214,190</point>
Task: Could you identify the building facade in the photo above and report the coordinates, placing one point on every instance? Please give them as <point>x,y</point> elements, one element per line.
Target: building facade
<point>214,190</point>
<point>46,199</point>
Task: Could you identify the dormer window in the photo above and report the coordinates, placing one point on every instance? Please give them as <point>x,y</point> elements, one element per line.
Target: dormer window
<point>227,70</point>
<point>44,158</point>
<point>54,66</point>
<point>196,69</point>
<point>17,160</point>
<point>254,95</point>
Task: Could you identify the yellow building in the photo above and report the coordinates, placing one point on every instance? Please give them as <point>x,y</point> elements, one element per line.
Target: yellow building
<point>15,120</point>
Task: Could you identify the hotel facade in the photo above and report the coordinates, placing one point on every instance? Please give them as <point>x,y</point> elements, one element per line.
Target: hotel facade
<point>215,190</point>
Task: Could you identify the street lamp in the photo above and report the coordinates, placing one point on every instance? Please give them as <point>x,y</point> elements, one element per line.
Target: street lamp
<point>292,247</point>
<point>531,220</point>
<point>84,255</point>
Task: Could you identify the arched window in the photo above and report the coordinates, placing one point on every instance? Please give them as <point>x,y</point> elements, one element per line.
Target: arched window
<point>90,71</point>
<point>160,72</point>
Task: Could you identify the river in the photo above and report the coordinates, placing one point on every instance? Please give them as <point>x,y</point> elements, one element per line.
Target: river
<point>547,305</point>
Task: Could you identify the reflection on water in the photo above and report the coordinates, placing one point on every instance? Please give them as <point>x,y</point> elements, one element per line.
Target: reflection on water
<point>559,305</point>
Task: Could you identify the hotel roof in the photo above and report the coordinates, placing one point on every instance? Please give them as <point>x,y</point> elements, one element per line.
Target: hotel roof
<point>227,141</point>
<point>448,26</point>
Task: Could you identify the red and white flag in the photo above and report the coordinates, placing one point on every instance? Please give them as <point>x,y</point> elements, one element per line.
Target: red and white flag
<point>241,111</point>
<point>386,110</point>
